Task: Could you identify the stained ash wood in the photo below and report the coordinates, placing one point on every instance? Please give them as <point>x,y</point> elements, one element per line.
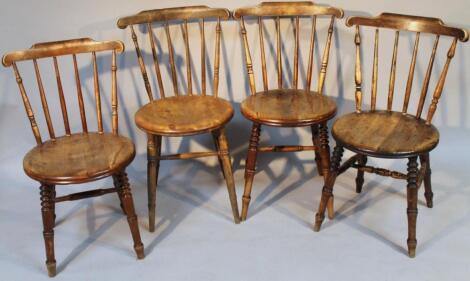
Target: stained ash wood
<point>283,107</point>
<point>288,108</point>
<point>392,134</point>
<point>177,13</point>
<point>410,23</point>
<point>385,134</point>
<point>184,115</point>
<point>78,158</point>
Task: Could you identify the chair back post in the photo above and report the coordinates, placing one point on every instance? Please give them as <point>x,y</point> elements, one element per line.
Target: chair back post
<point>181,16</point>
<point>58,49</point>
<point>418,25</point>
<point>295,11</point>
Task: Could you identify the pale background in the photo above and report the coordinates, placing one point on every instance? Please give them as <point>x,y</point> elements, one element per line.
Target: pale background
<point>195,237</point>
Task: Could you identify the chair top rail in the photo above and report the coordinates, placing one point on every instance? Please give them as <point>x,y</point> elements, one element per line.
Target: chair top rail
<point>178,13</point>
<point>410,23</point>
<point>61,48</point>
<point>286,9</point>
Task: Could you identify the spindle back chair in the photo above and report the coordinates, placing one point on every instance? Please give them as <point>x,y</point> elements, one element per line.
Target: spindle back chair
<point>281,106</point>
<point>181,115</point>
<point>388,133</point>
<point>76,157</point>
<point>181,16</point>
<point>295,11</point>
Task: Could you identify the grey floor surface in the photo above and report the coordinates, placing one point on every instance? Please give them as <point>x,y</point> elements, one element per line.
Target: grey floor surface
<point>197,240</point>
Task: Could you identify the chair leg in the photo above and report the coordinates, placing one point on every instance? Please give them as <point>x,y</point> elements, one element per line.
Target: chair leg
<point>127,202</point>
<point>324,149</point>
<point>427,180</point>
<point>362,161</point>
<point>412,210</point>
<point>48,214</point>
<point>217,147</point>
<point>226,165</point>
<point>316,143</point>
<point>327,192</point>
<point>153,165</point>
<point>250,167</point>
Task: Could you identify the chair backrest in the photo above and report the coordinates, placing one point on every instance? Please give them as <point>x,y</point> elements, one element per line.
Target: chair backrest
<point>178,16</point>
<point>278,10</point>
<point>416,25</point>
<point>64,48</point>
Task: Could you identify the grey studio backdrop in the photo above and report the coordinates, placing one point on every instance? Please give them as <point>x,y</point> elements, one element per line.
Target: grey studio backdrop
<point>195,237</point>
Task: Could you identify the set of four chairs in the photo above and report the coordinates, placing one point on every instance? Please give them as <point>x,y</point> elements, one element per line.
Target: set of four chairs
<point>91,155</point>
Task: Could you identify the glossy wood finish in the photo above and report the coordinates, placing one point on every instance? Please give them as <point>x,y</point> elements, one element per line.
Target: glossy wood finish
<point>88,157</point>
<point>76,157</point>
<point>410,23</point>
<point>182,115</point>
<point>388,133</point>
<point>288,107</point>
<point>385,134</point>
<point>283,107</point>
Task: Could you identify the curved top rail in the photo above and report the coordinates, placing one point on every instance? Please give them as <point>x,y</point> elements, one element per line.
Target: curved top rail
<point>61,48</point>
<point>410,23</point>
<point>274,9</point>
<point>179,13</point>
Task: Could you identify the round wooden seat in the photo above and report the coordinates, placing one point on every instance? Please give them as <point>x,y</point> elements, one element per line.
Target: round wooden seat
<point>288,107</point>
<point>78,158</point>
<point>184,115</point>
<point>385,134</point>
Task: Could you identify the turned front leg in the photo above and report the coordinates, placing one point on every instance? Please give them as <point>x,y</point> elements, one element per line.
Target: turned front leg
<point>327,192</point>
<point>361,162</point>
<point>125,195</point>
<point>316,143</point>
<point>428,194</point>
<point>412,210</point>
<point>48,220</point>
<point>324,149</point>
<point>226,165</point>
<point>250,167</point>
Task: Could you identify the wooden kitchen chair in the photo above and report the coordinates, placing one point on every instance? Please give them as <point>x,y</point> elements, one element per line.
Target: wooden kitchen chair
<point>181,115</point>
<point>77,157</point>
<point>282,106</point>
<point>392,133</point>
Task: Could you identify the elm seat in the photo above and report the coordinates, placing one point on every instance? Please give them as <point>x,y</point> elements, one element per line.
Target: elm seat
<point>184,115</point>
<point>385,133</point>
<point>288,107</point>
<point>79,158</point>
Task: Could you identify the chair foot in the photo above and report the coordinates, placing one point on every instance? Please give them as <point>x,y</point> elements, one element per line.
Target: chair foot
<point>330,208</point>
<point>429,201</point>
<point>412,248</point>
<point>429,204</point>
<point>246,202</point>
<point>51,269</point>
<point>139,250</point>
<point>318,221</point>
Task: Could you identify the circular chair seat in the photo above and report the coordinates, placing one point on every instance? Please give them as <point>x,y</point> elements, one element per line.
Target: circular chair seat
<point>385,134</point>
<point>78,158</point>
<point>183,115</point>
<point>288,107</point>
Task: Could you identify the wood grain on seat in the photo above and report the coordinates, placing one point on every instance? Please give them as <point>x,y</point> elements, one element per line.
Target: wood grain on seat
<point>78,158</point>
<point>288,107</point>
<point>385,133</point>
<point>184,115</point>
